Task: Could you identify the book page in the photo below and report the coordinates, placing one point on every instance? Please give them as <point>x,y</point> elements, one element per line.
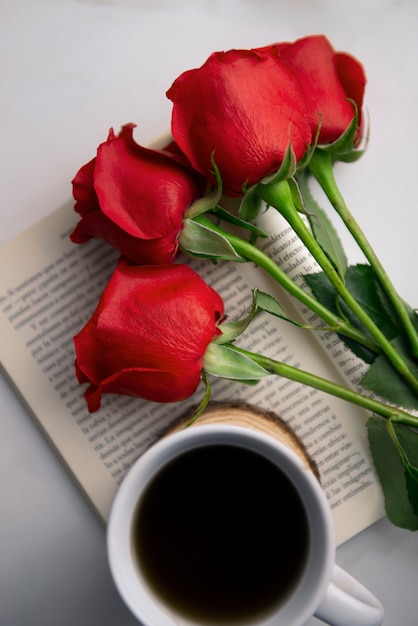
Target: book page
<point>49,288</point>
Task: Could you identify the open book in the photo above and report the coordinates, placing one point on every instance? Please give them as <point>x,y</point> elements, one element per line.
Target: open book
<point>49,288</point>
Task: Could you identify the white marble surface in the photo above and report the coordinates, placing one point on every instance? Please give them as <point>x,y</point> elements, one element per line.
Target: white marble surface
<point>70,69</point>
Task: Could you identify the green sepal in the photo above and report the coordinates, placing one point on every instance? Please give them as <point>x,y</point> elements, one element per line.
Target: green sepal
<point>200,240</point>
<point>351,157</point>
<point>203,403</point>
<point>208,202</point>
<point>226,216</point>
<point>251,205</point>
<point>265,302</point>
<point>287,168</point>
<point>261,302</point>
<point>231,330</point>
<point>304,161</point>
<point>391,470</point>
<point>322,229</point>
<point>225,362</point>
<point>204,204</point>
<point>345,147</point>
<point>297,197</point>
<point>356,153</point>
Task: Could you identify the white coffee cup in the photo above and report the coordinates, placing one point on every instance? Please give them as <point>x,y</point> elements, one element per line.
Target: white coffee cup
<point>321,588</point>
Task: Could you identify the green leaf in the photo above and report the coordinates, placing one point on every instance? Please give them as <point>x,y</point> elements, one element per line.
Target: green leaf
<point>363,285</point>
<point>411,475</point>
<point>200,240</point>
<point>407,440</point>
<point>267,303</point>
<point>225,362</point>
<point>383,379</point>
<point>325,293</point>
<point>323,290</point>
<point>391,471</point>
<point>412,314</point>
<point>323,230</point>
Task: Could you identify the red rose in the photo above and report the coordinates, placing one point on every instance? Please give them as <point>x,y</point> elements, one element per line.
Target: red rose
<point>134,198</point>
<point>244,108</point>
<point>329,79</point>
<point>148,335</point>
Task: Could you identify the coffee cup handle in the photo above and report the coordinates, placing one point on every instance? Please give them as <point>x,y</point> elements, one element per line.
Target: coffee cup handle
<point>348,603</point>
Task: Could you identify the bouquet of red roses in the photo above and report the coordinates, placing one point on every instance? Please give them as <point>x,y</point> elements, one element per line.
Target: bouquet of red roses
<point>250,128</point>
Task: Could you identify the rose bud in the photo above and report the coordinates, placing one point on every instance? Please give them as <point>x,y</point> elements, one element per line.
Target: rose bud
<point>148,334</point>
<point>242,110</point>
<point>134,198</point>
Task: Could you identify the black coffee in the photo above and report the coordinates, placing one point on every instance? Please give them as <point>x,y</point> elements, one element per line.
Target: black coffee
<point>221,534</point>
